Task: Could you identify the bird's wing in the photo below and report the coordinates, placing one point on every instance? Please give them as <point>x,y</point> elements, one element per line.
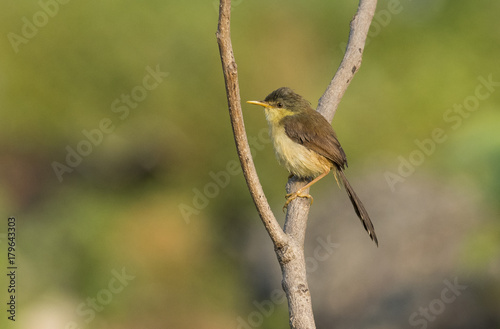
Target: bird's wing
<point>303,128</point>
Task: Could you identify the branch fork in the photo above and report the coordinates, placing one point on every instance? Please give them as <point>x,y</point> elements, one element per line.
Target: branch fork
<point>289,240</point>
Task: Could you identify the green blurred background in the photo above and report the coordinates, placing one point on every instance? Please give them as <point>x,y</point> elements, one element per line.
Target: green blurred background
<point>158,196</point>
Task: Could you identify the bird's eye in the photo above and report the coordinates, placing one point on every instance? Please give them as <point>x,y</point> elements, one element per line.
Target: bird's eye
<point>280,105</point>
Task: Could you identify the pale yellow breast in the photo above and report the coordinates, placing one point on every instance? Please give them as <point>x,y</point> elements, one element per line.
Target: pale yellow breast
<point>296,158</point>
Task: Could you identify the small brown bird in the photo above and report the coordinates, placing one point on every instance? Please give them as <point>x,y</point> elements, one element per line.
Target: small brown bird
<point>306,144</point>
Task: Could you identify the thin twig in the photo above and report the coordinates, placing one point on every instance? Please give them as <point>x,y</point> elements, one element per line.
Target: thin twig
<point>351,62</point>
<point>234,102</point>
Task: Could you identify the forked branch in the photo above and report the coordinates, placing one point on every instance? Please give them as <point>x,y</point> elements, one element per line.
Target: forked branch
<point>289,242</point>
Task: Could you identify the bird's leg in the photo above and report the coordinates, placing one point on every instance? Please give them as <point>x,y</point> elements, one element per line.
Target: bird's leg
<point>300,192</point>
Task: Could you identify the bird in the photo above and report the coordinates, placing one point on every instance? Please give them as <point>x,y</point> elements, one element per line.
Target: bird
<point>307,146</point>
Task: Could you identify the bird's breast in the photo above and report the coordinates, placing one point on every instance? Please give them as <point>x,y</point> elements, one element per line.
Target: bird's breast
<point>296,158</point>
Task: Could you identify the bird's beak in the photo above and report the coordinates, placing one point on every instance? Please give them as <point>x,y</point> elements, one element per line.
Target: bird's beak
<point>261,103</point>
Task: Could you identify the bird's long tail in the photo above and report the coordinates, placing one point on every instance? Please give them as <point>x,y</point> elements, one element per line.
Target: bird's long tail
<point>358,207</point>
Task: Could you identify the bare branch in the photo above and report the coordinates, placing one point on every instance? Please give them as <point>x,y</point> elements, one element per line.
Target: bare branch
<point>294,272</point>
<point>234,103</point>
<point>360,24</point>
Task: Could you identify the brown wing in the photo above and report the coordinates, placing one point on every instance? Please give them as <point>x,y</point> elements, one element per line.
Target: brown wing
<point>305,128</point>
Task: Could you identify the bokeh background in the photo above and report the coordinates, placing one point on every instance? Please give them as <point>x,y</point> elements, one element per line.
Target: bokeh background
<point>152,226</point>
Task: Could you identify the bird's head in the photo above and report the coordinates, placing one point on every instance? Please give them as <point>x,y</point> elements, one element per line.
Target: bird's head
<point>281,103</point>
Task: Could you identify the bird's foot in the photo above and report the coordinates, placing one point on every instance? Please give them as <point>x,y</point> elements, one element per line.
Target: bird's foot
<point>299,194</point>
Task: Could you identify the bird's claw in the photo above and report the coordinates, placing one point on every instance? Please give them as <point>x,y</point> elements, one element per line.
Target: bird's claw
<point>290,196</point>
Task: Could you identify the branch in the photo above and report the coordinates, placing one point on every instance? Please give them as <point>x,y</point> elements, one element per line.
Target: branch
<point>234,103</point>
<point>289,242</point>
<point>351,62</point>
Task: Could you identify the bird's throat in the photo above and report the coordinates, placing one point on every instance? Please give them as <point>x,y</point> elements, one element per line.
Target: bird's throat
<point>274,115</point>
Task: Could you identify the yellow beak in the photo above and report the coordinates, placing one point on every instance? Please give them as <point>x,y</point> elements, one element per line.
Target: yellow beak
<point>258,103</point>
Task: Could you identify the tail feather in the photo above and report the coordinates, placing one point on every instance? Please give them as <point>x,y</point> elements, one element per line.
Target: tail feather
<point>358,207</point>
